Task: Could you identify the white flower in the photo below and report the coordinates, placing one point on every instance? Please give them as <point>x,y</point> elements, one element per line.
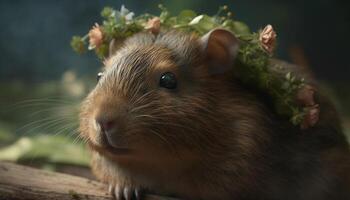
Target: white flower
<point>125,13</point>
<point>196,20</point>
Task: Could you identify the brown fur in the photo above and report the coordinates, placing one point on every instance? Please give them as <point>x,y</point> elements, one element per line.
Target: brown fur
<point>211,138</point>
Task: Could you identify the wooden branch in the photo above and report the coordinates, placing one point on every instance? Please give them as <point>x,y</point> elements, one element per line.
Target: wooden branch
<point>20,182</point>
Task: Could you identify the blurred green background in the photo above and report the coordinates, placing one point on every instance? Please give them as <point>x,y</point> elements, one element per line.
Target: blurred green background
<point>42,80</point>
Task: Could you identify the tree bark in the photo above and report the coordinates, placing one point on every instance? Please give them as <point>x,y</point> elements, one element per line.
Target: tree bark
<point>20,182</point>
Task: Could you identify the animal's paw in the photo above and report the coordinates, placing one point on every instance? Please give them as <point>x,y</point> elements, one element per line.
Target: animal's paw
<point>122,192</point>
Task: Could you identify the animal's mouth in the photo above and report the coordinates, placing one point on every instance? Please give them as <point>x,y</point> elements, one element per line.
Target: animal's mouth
<point>116,150</point>
<point>112,147</point>
<point>102,145</point>
<point>106,145</point>
<point>107,148</point>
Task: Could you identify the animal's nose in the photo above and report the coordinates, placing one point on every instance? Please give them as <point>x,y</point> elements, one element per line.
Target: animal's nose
<point>106,125</point>
<point>110,132</point>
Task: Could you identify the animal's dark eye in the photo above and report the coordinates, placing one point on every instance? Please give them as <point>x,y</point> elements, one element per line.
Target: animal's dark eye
<point>168,80</point>
<point>99,75</point>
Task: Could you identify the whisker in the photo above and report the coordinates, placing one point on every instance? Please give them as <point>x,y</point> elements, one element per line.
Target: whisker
<point>48,119</point>
<point>133,98</point>
<point>62,114</point>
<point>42,102</point>
<point>78,138</point>
<point>143,97</point>
<point>141,107</point>
<point>65,128</point>
<point>47,125</point>
<point>160,136</point>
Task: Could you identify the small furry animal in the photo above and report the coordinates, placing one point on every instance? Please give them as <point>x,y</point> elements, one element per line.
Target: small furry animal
<point>169,117</point>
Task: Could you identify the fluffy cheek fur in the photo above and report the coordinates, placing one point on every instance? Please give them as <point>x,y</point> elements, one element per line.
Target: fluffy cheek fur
<point>194,124</point>
<point>152,140</point>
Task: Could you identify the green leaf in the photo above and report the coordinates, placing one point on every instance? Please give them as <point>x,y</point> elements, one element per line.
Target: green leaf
<point>288,76</point>
<point>108,12</point>
<point>164,15</point>
<point>5,133</point>
<point>102,51</point>
<point>203,23</point>
<point>78,44</point>
<point>240,28</point>
<point>185,16</point>
<point>53,149</point>
<point>237,27</point>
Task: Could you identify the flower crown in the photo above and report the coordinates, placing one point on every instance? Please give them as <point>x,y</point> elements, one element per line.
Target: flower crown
<point>291,97</point>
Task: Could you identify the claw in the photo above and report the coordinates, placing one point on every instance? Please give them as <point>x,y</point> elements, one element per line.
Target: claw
<point>137,194</point>
<point>124,193</point>
<point>110,189</point>
<point>118,193</point>
<point>127,193</point>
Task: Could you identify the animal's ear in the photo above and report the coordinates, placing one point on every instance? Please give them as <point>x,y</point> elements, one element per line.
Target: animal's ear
<point>220,48</point>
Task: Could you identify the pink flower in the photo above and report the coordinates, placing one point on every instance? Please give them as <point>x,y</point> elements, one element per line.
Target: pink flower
<point>267,38</point>
<point>153,25</point>
<point>95,37</point>
<point>305,96</point>
<point>311,117</point>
